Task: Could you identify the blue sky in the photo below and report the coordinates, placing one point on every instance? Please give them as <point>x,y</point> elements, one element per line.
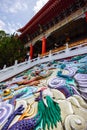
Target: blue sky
<point>14,14</point>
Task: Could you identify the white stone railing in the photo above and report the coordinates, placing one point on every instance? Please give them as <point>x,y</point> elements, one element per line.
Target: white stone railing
<point>9,72</point>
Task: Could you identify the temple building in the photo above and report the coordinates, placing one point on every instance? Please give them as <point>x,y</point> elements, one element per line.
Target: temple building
<point>49,91</point>
<point>57,23</point>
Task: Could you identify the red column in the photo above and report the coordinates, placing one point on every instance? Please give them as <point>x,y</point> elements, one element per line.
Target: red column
<point>43,45</point>
<point>86,16</point>
<point>31,51</point>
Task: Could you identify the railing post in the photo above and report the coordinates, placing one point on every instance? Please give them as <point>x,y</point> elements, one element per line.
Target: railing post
<point>16,62</point>
<point>4,66</point>
<point>67,48</point>
<point>15,65</point>
<point>50,55</point>
<point>38,58</point>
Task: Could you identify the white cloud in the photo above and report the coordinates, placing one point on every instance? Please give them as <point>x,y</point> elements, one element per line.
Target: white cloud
<point>13,6</point>
<point>12,27</point>
<point>39,5</point>
<point>17,7</point>
<point>9,27</point>
<point>2,25</point>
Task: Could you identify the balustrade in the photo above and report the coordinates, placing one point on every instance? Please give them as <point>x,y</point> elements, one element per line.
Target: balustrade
<point>9,72</point>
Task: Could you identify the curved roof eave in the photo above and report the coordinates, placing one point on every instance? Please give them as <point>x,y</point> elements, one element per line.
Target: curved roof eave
<point>49,10</point>
<point>47,5</point>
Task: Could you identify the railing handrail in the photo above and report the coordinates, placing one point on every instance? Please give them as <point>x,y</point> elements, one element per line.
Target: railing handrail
<point>18,68</point>
<point>74,44</point>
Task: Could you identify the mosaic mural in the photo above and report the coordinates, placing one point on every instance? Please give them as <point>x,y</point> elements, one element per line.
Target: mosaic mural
<point>48,96</point>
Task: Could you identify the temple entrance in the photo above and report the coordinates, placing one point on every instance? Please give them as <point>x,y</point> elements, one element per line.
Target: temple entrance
<point>71,32</point>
